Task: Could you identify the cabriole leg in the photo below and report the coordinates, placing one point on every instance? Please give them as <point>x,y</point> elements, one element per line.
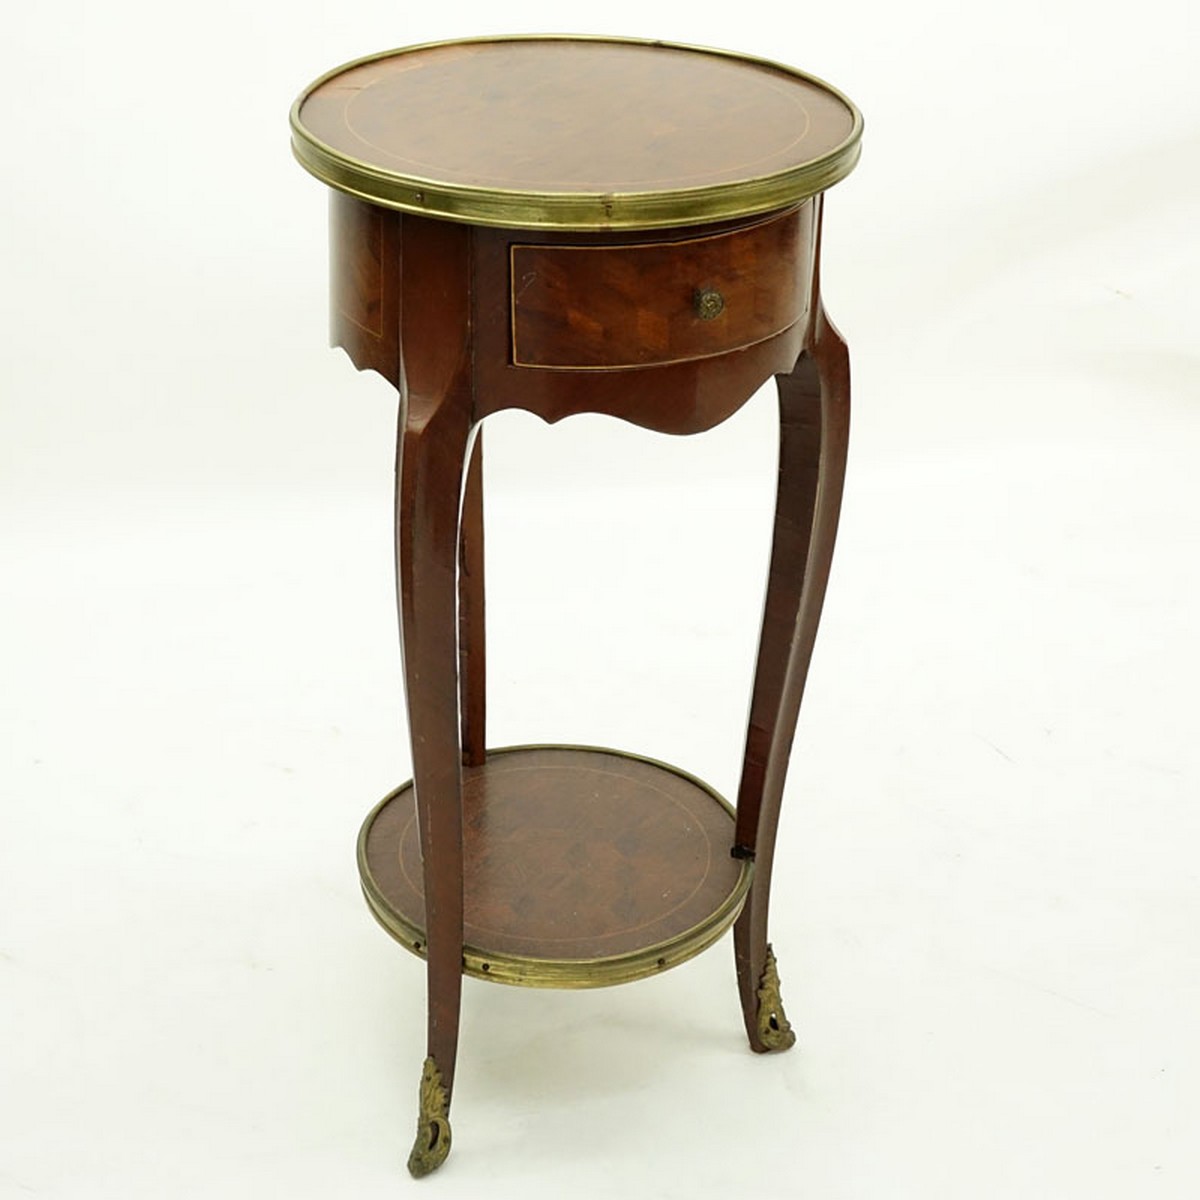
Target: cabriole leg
<point>433,446</point>
<point>814,412</point>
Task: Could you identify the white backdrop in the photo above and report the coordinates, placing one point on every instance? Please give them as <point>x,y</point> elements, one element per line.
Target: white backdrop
<point>987,909</point>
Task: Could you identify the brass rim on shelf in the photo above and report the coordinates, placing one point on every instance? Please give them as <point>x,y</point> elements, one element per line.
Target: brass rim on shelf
<point>518,209</point>
<point>525,971</point>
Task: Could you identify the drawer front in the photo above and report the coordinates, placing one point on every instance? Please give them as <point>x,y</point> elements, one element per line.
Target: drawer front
<point>604,307</point>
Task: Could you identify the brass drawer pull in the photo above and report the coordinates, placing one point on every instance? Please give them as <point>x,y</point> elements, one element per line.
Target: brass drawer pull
<point>709,303</point>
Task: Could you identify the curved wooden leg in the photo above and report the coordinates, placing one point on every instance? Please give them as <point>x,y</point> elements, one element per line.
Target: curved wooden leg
<point>432,449</point>
<point>431,461</point>
<point>472,646</point>
<point>814,411</point>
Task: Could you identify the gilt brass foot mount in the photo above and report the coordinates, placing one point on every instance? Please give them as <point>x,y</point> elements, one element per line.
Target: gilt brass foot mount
<point>774,1029</point>
<point>432,1144</point>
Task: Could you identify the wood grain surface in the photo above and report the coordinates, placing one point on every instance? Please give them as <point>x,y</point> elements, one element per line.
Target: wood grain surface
<point>578,226</point>
<point>574,116</point>
<point>676,397</point>
<point>569,854</point>
<point>683,397</point>
<point>364,283</point>
<point>814,435</point>
<point>581,306</point>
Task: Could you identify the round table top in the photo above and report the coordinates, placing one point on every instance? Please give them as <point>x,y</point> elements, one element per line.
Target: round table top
<point>574,132</point>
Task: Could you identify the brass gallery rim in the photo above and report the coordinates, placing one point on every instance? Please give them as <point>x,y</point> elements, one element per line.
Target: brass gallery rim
<point>525,971</point>
<point>575,210</point>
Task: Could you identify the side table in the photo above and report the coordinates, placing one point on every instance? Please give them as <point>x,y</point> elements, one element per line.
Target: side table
<point>571,225</point>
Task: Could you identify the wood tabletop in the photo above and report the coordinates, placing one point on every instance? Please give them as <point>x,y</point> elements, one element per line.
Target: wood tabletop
<point>580,133</point>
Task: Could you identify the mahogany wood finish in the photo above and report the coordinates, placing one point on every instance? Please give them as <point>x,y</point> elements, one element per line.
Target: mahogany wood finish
<point>454,292</point>
<point>814,421</point>
<point>685,397</point>
<point>472,647</point>
<point>450,289</point>
<point>570,854</point>
<point>555,120</point>
<point>574,132</point>
<point>431,457</point>
<point>364,284</point>
<point>561,855</point>
<point>636,305</point>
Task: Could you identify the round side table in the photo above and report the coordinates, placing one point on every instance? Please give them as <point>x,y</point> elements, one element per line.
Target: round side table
<point>571,225</point>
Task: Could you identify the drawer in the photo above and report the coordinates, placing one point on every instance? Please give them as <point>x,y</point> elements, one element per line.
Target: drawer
<point>580,307</point>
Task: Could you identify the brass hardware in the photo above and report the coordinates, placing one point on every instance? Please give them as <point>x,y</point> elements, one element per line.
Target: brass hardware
<point>576,210</point>
<point>774,1030</point>
<point>709,303</point>
<point>433,1124</point>
<point>566,973</point>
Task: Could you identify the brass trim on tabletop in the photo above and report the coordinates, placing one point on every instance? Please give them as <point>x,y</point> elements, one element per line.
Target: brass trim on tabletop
<point>517,209</point>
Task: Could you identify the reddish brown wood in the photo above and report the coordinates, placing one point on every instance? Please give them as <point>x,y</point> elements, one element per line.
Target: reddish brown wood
<point>569,854</point>
<point>686,397</point>
<point>364,284</point>
<point>432,447</point>
<point>472,644</point>
<point>636,305</point>
<point>814,412</point>
<point>565,116</point>
<point>556,859</point>
<point>447,289</point>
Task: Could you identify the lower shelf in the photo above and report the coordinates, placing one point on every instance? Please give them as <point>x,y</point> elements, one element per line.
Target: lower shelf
<point>582,867</point>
